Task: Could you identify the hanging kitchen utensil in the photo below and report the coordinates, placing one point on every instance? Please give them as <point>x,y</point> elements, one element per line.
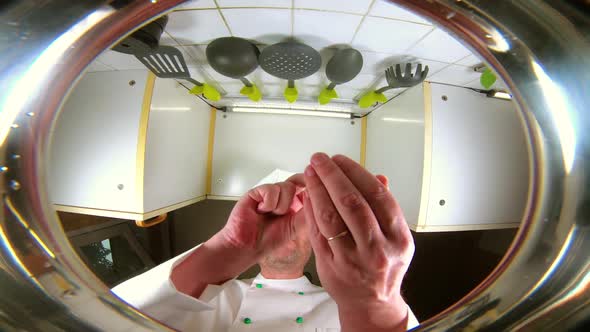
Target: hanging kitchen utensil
<point>394,80</point>
<point>290,61</point>
<point>168,62</point>
<point>342,67</point>
<point>236,58</point>
<point>143,39</point>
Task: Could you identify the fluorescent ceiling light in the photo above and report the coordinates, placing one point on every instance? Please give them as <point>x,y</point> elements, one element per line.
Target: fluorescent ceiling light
<point>291,111</point>
<point>499,95</point>
<point>403,120</point>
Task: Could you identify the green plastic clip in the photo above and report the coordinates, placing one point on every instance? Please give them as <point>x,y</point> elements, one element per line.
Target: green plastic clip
<point>487,78</point>
<point>326,95</point>
<point>252,92</point>
<point>370,98</point>
<point>210,92</point>
<point>291,94</point>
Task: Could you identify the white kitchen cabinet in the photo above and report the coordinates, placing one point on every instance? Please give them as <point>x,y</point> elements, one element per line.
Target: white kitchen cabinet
<point>250,146</point>
<point>456,159</point>
<point>395,148</point>
<point>129,146</point>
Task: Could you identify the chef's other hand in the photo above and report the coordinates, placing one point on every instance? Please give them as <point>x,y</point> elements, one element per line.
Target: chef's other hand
<point>265,217</point>
<point>362,243</point>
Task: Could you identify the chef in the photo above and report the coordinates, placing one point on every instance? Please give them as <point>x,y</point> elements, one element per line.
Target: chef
<point>347,215</point>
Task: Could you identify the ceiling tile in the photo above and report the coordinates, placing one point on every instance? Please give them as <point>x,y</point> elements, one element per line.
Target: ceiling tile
<point>439,45</point>
<point>454,74</point>
<point>255,3</point>
<point>261,77</point>
<point>196,26</point>
<point>349,93</point>
<point>361,81</point>
<point>97,66</point>
<point>199,74</point>
<point>470,61</point>
<point>317,79</point>
<point>217,76</point>
<point>376,63</point>
<point>309,92</point>
<point>272,91</point>
<point>433,66</point>
<point>384,8</point>
<point>166,39</point>
<point>267,26</point>
<point>388,36</point>
<point>232,89</point>
<point>349,6</point>
<point>474,84</point>
<point>197,4</point>
<point>120,61</point>
<point>196,53</point>
<point>393,92</point>
<point>499,85</point>
<point>311,27</point>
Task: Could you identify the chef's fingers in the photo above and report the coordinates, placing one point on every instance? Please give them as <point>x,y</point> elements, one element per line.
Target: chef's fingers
<point>318,242</point>
<point>349,202</point>
<point>326,216</point>
<point>286,195</point>
<point>376,193</point>
<point>383,179</point>
<point>267,196</point>
<point>297,179</point>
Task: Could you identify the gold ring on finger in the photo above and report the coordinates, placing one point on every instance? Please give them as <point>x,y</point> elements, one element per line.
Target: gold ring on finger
<point>341,234</point>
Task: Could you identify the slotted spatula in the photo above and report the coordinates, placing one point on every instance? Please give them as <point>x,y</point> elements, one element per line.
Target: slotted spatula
<point>168,62</point>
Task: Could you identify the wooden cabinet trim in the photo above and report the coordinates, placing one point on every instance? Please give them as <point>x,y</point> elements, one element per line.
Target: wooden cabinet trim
<point>210,150</point>
<point>142,139</point>
<point>427,165</point>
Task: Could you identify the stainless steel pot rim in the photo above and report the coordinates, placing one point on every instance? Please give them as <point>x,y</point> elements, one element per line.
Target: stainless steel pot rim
<point>539,48</point>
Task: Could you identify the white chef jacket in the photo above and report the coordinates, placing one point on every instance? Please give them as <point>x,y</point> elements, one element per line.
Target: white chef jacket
<point>237,305</point>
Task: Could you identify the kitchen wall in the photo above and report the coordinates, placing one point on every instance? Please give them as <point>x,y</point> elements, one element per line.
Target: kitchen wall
<point>446,265</point>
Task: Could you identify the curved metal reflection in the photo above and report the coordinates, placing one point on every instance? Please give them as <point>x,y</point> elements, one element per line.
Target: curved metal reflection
<point>540,48</point>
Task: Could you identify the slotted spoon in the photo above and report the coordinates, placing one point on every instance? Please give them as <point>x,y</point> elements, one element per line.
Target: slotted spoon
<point>290,61</point>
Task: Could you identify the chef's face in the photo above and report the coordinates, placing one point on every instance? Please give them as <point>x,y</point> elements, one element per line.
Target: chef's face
<point>292,255</point>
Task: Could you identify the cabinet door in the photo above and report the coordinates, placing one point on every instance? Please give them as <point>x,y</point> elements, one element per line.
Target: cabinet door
<point>395,148</point>
<point>93,152</point>
<point>176,147</point>
<point>480,161</point>
<point>250,146</point>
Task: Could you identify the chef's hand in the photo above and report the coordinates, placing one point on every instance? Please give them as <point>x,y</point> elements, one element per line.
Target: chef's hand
<point>362,270</point>
<point>263,219</point>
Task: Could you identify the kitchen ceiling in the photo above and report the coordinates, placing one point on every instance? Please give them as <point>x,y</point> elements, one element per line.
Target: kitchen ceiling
<point>384,33</point>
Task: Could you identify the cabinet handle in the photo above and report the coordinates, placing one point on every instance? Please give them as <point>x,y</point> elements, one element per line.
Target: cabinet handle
<point>152,221</point>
